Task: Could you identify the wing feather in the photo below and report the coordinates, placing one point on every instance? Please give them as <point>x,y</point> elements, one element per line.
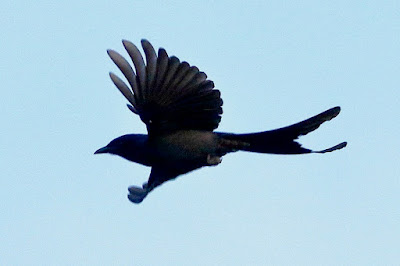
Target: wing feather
<point>166,93</point>
<point>162,67</point>
<point>124,89</point>
<point>140,67</point>
<point>180,73</point>
<point>125,68</point>
<point>173,65</point>
<point>187,78</point>
<point>151,60</point>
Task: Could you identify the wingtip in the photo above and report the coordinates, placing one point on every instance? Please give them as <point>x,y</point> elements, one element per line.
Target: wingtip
<point>144,41</point>
<point>148,49</point>
<point>162,52</point>
<point>127,43</point>
<point>115,56</point>
<point>112,76</point>
<point>132,109</point>
<point>110,52</point>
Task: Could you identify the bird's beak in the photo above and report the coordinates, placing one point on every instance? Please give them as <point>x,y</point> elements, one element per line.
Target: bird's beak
<point>102,150</point>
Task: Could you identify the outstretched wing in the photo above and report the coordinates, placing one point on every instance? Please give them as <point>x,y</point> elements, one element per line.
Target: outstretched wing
<point>167,94</point>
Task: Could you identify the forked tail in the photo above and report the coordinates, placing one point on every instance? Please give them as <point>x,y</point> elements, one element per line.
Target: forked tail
<point>282,140</point>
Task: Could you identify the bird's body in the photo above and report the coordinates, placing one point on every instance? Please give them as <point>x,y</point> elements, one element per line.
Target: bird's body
<point>181,108</point>
<point>186,145</point>
<point>175,147</point>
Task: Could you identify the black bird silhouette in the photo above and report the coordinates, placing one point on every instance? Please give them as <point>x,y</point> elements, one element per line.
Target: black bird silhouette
<point>181,108</point>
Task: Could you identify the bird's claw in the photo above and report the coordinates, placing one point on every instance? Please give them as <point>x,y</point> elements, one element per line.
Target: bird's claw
<point>213,160</point>
<point>137,194</point>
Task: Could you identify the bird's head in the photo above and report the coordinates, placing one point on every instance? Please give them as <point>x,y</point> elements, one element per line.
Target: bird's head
<point>126,146</point>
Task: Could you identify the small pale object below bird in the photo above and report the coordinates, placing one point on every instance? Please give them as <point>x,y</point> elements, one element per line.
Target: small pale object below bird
<point>181,109</point>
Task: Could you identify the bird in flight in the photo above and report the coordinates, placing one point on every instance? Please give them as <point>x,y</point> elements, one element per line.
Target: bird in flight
<point>181,110</point>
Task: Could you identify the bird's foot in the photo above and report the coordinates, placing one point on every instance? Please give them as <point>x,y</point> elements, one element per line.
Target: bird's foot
<point>213,160</point>
<point>137,194</point>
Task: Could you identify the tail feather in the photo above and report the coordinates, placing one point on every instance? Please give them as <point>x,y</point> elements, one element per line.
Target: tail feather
<point>334,148</point>
<point>282,140</point>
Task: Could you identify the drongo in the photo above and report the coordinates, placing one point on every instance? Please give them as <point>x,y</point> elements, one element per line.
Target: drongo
<point>181,110</point>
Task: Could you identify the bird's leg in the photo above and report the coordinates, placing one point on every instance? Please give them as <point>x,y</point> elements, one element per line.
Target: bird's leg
<point>213,159</point>
<point>137,194</point>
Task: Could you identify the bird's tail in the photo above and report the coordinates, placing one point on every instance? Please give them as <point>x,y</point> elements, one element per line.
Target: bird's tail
<point>282,140</point>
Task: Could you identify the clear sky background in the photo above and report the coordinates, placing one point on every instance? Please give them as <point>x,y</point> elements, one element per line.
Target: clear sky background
<point>275,62</point>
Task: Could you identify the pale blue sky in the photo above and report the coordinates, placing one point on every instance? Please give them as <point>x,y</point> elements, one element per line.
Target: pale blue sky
<point>275,62</point>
